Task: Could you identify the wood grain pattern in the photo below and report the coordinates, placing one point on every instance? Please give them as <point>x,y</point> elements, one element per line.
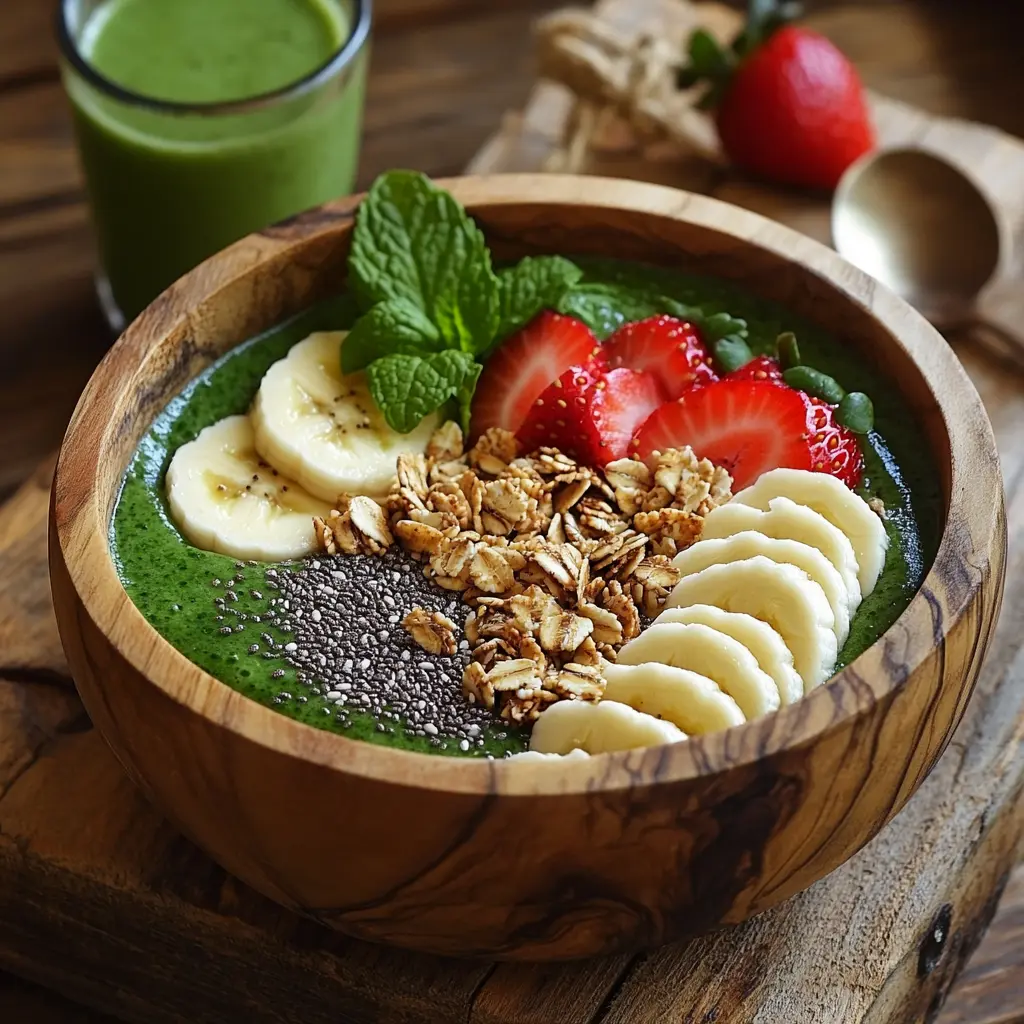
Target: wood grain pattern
<point>727,825</point>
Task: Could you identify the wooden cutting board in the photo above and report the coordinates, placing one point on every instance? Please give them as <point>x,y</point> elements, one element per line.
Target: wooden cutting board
<point>101,899</point>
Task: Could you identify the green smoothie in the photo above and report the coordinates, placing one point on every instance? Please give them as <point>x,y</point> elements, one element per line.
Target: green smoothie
<point>169,186</point>
<point>181,590</point>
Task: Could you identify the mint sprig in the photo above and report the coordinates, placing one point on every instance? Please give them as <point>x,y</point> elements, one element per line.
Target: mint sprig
<point>432,305</point>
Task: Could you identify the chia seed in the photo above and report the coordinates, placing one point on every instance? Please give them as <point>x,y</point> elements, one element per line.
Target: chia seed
<point>345,599</point>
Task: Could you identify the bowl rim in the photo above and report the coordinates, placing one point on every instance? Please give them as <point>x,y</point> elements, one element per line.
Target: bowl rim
<point>974,472</point>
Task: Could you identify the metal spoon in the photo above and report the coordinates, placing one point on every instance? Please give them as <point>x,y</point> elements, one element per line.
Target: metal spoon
<point>923,228</point>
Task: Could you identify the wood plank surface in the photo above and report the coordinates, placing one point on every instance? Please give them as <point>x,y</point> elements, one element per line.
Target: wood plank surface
<point>444,71</point>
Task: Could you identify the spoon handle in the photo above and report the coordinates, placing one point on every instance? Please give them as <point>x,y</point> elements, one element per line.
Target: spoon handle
<point>999,315</point>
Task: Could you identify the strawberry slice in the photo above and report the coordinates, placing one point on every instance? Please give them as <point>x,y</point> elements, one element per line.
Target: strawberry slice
<point>524,365</point>
<point>759,368</point>
<point>748,427</point>
<point>591,413</point>
<point>834,449</point>
<point>672,350</point>
<point>626,402</point>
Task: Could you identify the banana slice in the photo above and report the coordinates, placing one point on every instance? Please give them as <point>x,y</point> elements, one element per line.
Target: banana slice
<point>835,501</point>
<point>536,755</point>
<point>323,428</point>
<point>224,498</point>
<point>598,729</point>
<point>763,642</point>
<point>783,596</point>
<point>786,520</point>
<point>750,543</point>
<point>713,654</point>
<point>687,699</point>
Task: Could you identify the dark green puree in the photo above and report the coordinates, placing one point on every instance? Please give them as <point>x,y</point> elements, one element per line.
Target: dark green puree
<point>172,582</point>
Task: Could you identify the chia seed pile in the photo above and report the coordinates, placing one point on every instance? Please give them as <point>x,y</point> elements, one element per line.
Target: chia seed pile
<point>338,624</point>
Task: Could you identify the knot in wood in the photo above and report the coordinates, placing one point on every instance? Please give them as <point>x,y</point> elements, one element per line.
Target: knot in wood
<point>934,942</point>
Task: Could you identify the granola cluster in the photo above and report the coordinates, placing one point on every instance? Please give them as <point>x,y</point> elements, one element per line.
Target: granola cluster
<point>557,561</point>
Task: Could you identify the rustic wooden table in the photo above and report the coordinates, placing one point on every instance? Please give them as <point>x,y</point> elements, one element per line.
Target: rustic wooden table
<point>444,72</point>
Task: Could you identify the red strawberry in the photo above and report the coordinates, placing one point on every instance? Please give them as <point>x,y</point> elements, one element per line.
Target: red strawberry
<point>789,106</point>
<point>749,427</point>
<point>627,400</point>
<point>671,350</point>
<point>834,449</point>
<point>524,365</point>
<point>759,368</point>
<point>591,414</point>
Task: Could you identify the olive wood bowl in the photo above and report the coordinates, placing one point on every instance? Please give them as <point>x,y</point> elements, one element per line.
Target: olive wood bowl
<point>519,860</point>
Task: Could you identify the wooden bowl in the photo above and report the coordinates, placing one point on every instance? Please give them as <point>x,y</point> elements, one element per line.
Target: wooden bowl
<point>526,861</point>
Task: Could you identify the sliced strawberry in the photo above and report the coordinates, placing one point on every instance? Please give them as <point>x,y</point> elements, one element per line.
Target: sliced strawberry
<point>524,365</point>
<point>591,414</point>
<point>561,416</point>
<point>759,368</point>
<point>834,449</point>
<point>628,399</point>
<point>672,350</point>
<point>749,427</point>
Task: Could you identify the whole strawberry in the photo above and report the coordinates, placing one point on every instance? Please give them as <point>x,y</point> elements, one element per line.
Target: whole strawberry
<point>788,105</point>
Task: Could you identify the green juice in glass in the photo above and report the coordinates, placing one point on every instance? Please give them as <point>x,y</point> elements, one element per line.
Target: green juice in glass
<point>199,121</point>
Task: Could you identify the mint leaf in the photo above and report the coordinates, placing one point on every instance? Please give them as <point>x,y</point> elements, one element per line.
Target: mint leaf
<point>533,284</point>
<point>465,396</point>
<point>408,387</point>
<point>392,327</point>
<point>604,308</point>
<point>414,242</point>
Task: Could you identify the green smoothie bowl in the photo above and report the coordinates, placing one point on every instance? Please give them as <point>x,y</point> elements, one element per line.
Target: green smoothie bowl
<point>527,567</point>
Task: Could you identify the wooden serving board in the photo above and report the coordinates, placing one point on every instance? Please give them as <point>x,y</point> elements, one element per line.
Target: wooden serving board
<point>102,900</point>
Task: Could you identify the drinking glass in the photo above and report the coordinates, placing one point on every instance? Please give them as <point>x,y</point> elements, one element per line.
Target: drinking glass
<point>171,183</point>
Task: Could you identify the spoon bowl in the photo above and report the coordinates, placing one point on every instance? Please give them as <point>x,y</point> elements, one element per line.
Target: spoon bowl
<point>921,226</point>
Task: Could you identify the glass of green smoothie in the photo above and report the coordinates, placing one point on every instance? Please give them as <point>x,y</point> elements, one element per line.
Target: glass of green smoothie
<point>199,121</point>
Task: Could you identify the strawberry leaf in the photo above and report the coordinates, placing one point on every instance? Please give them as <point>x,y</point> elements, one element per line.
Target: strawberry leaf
<point>707,58</point>
<point>763,18</point>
